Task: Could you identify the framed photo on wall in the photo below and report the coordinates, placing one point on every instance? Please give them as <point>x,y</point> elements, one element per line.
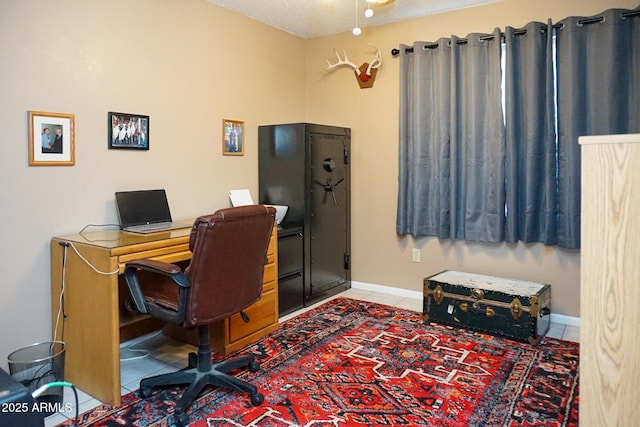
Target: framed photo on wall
<point>51,139</point>
<point>232,138</point>
<point>128,131</point>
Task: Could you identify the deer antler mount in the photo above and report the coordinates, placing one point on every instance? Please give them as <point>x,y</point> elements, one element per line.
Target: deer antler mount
<point>365,74</point>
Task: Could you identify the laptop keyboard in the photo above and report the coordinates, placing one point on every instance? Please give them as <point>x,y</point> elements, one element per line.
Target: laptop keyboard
<point>149,227</point>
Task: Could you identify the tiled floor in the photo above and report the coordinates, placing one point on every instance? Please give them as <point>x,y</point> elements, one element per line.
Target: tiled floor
<point>168,355</point>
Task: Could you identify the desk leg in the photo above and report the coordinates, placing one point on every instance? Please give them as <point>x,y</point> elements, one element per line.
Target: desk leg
<point>91,325</point>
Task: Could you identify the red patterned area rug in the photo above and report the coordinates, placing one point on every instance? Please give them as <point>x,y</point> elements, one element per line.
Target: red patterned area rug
<point>355,363</point>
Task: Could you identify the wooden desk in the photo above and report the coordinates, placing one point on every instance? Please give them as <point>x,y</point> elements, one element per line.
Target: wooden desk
<point>95,320</point>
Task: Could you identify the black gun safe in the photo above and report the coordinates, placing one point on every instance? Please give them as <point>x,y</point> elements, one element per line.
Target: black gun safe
<point>306,167</point>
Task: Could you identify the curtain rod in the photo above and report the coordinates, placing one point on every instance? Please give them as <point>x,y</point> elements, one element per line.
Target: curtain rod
<point>396,51</point>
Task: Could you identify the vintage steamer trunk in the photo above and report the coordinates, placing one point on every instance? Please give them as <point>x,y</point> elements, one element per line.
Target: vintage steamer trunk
<point>514,309</point>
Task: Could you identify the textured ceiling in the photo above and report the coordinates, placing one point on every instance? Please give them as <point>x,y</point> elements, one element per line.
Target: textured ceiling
<point>314,18</point>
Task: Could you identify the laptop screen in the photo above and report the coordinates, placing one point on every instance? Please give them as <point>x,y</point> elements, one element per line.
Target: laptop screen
<point>142,207</point>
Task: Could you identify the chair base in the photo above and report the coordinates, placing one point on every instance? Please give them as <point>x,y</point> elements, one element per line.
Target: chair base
<point>203,375</point>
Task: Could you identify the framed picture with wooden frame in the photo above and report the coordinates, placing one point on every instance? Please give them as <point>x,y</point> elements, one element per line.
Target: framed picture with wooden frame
<point>232,137</point>
<point>51,139</point>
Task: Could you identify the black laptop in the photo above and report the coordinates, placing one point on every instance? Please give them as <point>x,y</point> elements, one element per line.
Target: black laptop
<point>146,211</point>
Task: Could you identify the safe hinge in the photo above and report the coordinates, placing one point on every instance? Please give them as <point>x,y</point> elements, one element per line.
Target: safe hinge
<point>347,261</point>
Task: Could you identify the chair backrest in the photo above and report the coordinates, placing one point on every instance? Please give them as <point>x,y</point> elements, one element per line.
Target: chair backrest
<point>229,250</point>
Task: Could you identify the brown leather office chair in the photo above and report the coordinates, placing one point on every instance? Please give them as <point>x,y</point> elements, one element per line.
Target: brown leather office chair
<point>229,250</point>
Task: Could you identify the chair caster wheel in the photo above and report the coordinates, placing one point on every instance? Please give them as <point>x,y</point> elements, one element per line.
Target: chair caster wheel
<point>181,419</point>
<point>257,399</point>
<point>145,392</point>
<point>254,367</point>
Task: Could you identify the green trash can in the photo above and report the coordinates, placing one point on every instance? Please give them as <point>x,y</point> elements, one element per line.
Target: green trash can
<point>39,364</point>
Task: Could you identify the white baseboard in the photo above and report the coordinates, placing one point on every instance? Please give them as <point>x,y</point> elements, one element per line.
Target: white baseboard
<point>565,320</point>
<point>406,293</point>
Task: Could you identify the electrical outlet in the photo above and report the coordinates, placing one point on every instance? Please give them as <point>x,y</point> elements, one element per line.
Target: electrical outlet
<point>415,256</point>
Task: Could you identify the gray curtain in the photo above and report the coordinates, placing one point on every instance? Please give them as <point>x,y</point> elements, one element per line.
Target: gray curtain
<point>423,199</point>
<point>467,174</point>
<point>531,182</point>
<point>452,143</point>
<point>598,93</point>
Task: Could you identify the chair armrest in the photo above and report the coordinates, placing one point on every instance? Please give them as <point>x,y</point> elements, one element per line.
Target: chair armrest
<point>155,266</point>
<point>158,267</point>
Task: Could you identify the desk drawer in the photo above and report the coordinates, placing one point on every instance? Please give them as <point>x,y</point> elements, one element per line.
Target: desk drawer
<point>171,254</point>
<point>261,314</point>
<point>270,272</point>
<point>269,286</point>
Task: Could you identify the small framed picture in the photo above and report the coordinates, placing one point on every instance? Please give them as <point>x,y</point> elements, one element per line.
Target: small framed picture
<point>51,139</point>
<point>128,131</point>
<point>232,138</point>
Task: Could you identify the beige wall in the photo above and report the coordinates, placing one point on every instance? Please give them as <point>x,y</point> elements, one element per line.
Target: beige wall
<point>380,256</point>
<point>189,64</point>
<point>185,63</point>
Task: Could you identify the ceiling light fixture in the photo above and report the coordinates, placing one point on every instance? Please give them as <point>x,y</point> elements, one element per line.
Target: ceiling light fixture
<point>369,12</point>
<point>356,30</point>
